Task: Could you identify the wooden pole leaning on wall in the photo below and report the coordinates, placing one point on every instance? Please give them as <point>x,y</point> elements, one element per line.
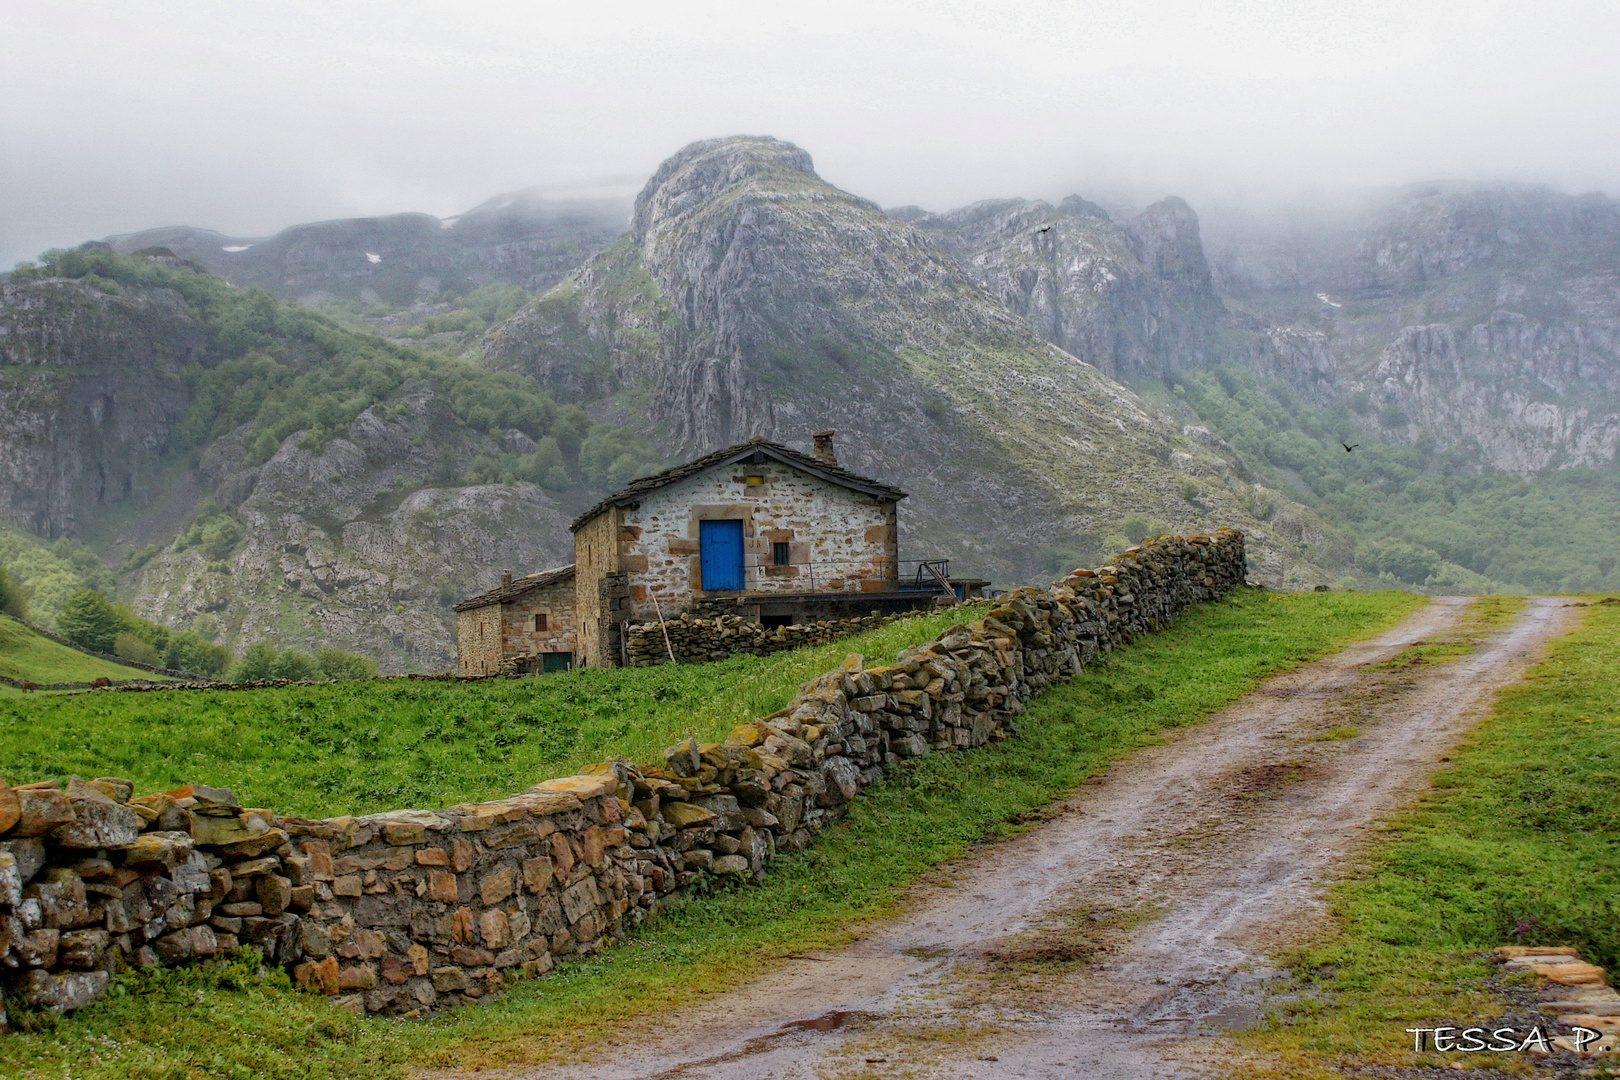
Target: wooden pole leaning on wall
<point>662,628</point>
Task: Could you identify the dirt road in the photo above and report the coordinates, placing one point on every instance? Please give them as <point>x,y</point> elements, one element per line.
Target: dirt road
<point>1112,939</point>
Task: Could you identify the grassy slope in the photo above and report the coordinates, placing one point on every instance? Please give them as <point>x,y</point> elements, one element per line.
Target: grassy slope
<point>1418,515</point>
<point>935,809</point>
<point>26,655</point>
<point>360,747</point>
<point>1519,842</point>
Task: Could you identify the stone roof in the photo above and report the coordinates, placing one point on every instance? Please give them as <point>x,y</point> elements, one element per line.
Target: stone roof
<point>758,445</point>
<point>503,593</point>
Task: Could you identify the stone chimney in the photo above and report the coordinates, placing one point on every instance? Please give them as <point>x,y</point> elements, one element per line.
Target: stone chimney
<point>824,447</point>
<point>506,579</point>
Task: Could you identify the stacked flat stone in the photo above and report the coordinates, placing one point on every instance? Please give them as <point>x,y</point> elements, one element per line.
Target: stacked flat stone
<point>1576,992</point>
<point>407,911</point>
<point>697,640</point>
<point>90,877</point>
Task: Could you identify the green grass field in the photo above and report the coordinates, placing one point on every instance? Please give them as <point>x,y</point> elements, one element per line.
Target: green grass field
<point>197,1024</point>
<point>26,655</point>
<point>360,747</point>
<point>1518,843</point>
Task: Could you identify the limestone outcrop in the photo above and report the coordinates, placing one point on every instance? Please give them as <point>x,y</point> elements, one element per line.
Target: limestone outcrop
<point>1482,318</point>
<point>752,297</point>
<point>92,389</point>
<point>1134,299</point>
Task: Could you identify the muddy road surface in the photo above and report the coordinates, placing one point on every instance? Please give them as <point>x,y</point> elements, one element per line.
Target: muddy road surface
<point>1116,938</point>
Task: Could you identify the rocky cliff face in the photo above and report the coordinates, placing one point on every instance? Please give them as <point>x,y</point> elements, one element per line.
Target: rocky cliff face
<point>1484,317</point>
<point>751,297</point>
<point>1133,299</point>
<point>90,389</point>
<point>345,547</point>
<point>520,238</point>
<point>363,542</point>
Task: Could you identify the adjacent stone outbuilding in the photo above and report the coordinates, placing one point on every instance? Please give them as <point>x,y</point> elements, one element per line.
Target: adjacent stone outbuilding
<point>523,625</point>
<point>781,534</point>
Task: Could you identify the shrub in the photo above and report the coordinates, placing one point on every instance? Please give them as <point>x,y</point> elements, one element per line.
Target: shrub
<point>88,620</point>
<point>614,456</point>
<point>257,663</point>
<point>130,647</point>
<point>140,557</point>
<point>212,531</point>
<point>340,666</point>
<point>295,666</point>
<point>190,651</point>
<point>11,598</point>
<point>263,660</point>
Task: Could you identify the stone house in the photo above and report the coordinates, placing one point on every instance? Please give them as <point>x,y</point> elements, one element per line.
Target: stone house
<point>524,625</point>
<point>757,529</point>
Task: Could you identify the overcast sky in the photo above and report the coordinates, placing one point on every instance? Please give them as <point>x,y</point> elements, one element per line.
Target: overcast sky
<point>248,117</point>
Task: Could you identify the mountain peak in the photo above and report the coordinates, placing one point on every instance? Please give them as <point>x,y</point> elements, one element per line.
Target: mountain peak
<point>700,171</point>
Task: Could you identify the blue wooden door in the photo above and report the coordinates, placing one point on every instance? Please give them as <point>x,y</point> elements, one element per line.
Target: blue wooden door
<point>720,548</point>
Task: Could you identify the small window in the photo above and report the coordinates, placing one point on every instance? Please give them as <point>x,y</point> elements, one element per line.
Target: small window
<point>779,554</point>
<point>539,622</point>
<point>756,478</point>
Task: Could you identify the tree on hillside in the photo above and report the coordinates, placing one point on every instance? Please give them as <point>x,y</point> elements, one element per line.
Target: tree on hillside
<point>256,664</point>
<point>11,598</point>
<point>190,651</point>
<point>88,619</point>
<point>149,633</point>
<point>340,666</point>
<point>295,666</point>
<point>129,647</point>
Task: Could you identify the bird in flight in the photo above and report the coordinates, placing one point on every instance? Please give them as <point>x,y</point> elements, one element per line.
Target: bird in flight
<point>1348,447</point>
<point>1044,228</point>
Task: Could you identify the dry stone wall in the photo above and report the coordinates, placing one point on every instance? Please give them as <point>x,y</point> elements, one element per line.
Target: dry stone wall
<point>407,911</point>
<point>695,640</point>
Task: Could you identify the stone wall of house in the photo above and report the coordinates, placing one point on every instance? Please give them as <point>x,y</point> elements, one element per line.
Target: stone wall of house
<point>411,910</point>
<point>556,603</point>
<point>479,646</point>
<point>697,640</point>
<point>491,637</point>
<point>596,575</point>
<point>838,540</point>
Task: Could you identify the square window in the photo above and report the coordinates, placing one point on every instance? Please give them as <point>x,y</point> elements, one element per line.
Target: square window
<point>756,478</point>
<point>779,554</point>
<point>539,622</point>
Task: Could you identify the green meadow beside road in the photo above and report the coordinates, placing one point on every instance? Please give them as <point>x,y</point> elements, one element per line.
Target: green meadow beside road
<point>1518,843</point>
<point>360,747</point>
<point>234,1024</point>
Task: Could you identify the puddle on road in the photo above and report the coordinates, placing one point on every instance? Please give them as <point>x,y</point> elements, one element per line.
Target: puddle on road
<point>826,1022</point>
<point>764,1044</point>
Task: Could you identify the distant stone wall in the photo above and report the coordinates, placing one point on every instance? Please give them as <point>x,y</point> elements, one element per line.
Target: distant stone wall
<point>696,640</point>
<point>407,911</point>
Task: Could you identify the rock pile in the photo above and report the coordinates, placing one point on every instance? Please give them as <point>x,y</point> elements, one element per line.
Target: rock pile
<point>696,640</point>
<point>406,911</point>
<point>1576,992</point>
